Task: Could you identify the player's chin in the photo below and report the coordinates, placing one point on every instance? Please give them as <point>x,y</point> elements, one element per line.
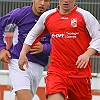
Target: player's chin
<point>41,11</point>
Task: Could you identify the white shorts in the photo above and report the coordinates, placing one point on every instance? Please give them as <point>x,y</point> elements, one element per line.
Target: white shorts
<point>28,79</point>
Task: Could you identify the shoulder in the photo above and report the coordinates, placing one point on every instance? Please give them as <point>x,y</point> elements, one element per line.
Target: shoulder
<point>87,16</point>
<point>48,13</point>
<point>21,11</point>
<point>84,13</point>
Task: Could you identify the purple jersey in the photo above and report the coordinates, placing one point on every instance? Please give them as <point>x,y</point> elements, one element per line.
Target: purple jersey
<point>23,20</point>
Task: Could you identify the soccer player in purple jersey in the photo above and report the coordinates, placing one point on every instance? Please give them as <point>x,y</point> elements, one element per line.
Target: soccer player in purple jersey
<point>25,82</point>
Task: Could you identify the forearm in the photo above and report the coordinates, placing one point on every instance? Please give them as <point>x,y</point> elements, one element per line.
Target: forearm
<point>25,49</point>
<point>22,58</point>
<point>90,52</point>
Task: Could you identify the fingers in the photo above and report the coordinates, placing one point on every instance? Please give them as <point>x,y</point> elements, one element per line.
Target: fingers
<point>35,52</point>
<point>21,67</point>
<point>4,59</point>
<point>24,67</point>
<point>82,61</point>
<point>32,50</point>
<point>38,43</point>
<point>23,61</point>
<point>8,55</point>
<point>81,64</point>
<point>37,48</point>
<point>5,56</point>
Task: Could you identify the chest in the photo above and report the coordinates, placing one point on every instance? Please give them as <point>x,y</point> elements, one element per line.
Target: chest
<point>67,30</point>
<point>26,23</point>
<point>66,23</point>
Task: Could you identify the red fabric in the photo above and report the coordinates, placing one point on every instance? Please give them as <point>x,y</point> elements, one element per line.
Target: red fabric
<point>73,88</point>
<point>70,39</point>
<point>44,32</point>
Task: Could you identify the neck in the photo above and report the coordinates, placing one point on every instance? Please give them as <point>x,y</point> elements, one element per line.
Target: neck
<point>66,11</point>
<point>35,11</point>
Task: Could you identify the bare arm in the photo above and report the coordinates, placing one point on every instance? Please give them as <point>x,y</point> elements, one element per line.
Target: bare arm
<point>23,59</point>
<point>93,27</point>
<point>83,59</point>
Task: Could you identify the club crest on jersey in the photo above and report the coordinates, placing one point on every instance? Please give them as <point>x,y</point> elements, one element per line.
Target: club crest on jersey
<point>74,22</point>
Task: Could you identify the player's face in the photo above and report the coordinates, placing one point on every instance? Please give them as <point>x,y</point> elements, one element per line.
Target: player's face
<point>40,6</point>
<point>66,6</point>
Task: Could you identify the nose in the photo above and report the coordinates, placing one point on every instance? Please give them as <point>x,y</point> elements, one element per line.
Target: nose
<point>42,2</point>
<point>65,0</point>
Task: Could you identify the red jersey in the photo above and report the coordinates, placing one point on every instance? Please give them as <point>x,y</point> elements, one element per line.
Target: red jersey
<point>72,34</point>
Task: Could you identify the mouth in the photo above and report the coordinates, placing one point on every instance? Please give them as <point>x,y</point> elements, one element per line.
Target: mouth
<point>41,8</point>
<point>66,4</point>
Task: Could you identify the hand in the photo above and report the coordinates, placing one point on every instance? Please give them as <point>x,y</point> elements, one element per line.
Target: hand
<point>82,61</point>
<point>22,60</point>
<point>38,47</point>
<point>5,56</point>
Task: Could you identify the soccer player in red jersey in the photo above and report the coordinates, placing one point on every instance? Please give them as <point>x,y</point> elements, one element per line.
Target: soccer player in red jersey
<point>25,83</point>
<point>75,35</point>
